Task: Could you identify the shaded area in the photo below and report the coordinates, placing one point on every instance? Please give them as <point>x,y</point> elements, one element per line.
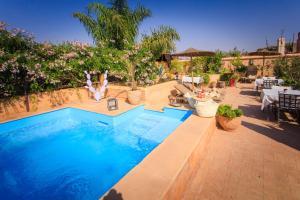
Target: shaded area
<point>249,93</point>
<point>254,111</point>
<point>113,195</point>
<point>287,134</point>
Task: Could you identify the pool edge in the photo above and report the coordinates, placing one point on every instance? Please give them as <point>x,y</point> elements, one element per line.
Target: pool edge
<point>164,172</point>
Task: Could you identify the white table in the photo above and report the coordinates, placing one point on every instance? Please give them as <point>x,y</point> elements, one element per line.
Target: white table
<point>260,81</point>
<point>189,79</point>
<point>270,96</point>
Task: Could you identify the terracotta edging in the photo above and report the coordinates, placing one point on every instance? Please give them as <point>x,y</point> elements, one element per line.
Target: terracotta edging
<point>165,172</point>
<point>180,184</point>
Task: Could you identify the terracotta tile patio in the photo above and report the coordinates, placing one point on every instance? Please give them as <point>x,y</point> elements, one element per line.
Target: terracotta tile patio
<point>259,160</point>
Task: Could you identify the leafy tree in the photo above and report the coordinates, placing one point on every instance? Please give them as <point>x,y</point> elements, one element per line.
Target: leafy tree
<point>289,70</point>
<point>208,64</point>
<point>200,64</point>
<point>237,61</point>
<point>161,40</point>
<point>177,66</point>
<point>235,52</point>
<point>113,26</point>
<point>215,62</point>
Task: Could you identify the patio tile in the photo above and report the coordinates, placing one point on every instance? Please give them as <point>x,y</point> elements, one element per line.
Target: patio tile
<point>259,160</point>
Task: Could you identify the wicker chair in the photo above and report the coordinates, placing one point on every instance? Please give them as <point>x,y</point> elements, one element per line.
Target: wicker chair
<point>288,103</point>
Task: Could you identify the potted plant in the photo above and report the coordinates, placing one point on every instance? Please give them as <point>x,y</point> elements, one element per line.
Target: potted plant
<point>136,56</point>
<point>229,118</point>
<point>134,95</point>
<point>233,79</point>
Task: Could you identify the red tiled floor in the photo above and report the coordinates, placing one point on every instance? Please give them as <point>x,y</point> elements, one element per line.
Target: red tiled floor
<point>259,160</point>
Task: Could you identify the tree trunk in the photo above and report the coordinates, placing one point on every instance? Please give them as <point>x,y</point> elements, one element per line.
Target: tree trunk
<point>26,97</point>
<point>133,85</point>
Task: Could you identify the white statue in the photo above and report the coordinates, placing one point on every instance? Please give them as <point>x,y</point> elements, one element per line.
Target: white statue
<point>97,94</point>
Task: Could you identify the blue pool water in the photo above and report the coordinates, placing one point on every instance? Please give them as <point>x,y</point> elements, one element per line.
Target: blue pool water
<point>76,154</point>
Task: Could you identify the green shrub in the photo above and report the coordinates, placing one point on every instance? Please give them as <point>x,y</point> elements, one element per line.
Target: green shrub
<point>226,110</point>
<point>237,62</point>
<point>200,64</point>
<point>241,69</point>
<point>225,76</point>
<point>208,64</point>
<point>288,70</point>
<point>27,66</point>
<point>177,66</point>
<point>205,77</point>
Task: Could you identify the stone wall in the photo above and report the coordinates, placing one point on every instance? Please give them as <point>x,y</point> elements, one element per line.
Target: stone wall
<point>258,61</point>
<point>42,101</point>
<point>45,101</point>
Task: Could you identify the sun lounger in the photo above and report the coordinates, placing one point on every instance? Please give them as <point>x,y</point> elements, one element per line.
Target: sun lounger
<point>175,98</point>
<point>188,94</point>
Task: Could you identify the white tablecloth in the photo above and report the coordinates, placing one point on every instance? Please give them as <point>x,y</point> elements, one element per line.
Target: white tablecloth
<point>188,79</point>
<point>260,81</point>
<point>270,96</point>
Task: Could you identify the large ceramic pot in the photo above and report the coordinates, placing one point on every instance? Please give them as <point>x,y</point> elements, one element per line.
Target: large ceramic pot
<point>228,124</point>
<point>206,108</point>
<point>134,96</point>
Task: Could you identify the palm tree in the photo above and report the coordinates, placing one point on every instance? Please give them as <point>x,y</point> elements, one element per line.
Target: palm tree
<point>161,40</point>
<point>114,26</point>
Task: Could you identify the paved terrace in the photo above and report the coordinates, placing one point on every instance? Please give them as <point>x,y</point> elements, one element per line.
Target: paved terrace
<point>259,160</point>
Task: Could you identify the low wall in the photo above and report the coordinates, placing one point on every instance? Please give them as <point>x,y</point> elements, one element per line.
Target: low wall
<point>49,100</point>
<point>15,107</point>
<point>267,61</point>
<point>157,95</point>
<point>42,101</point>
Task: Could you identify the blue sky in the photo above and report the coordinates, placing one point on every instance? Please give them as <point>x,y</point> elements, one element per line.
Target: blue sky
<point>202,24</point>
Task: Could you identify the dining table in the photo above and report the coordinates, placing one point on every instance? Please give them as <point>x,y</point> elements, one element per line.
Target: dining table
<point>270,96</point>
<point>189,79</point>
<point>260,81</point>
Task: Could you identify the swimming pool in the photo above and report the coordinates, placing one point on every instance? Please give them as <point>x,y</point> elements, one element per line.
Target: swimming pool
<point>76,154</point>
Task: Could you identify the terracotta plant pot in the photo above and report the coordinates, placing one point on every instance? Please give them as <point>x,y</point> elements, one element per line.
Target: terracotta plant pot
<point>134,96</point>
<point>232,82</point>
<point>229,124</point>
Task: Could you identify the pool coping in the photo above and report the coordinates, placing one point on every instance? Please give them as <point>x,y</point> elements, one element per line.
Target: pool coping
<point>165,172</point>
<point>74,105</point>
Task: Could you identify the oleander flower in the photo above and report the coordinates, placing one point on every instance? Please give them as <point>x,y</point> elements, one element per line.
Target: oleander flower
<point>2,25</point>
<point>2,53</point>
<point>37,65</point>
<point>70,55</point>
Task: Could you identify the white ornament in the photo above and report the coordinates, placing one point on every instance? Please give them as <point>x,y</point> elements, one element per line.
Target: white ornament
<point>92,90</point>
<point>97,94</point>
<point>88,76</point>
<point>89,83</point>
<point>105,82</point>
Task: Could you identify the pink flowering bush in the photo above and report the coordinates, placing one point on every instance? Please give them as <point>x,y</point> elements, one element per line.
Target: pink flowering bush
<point>19,69</point>
<point>27,66</point>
